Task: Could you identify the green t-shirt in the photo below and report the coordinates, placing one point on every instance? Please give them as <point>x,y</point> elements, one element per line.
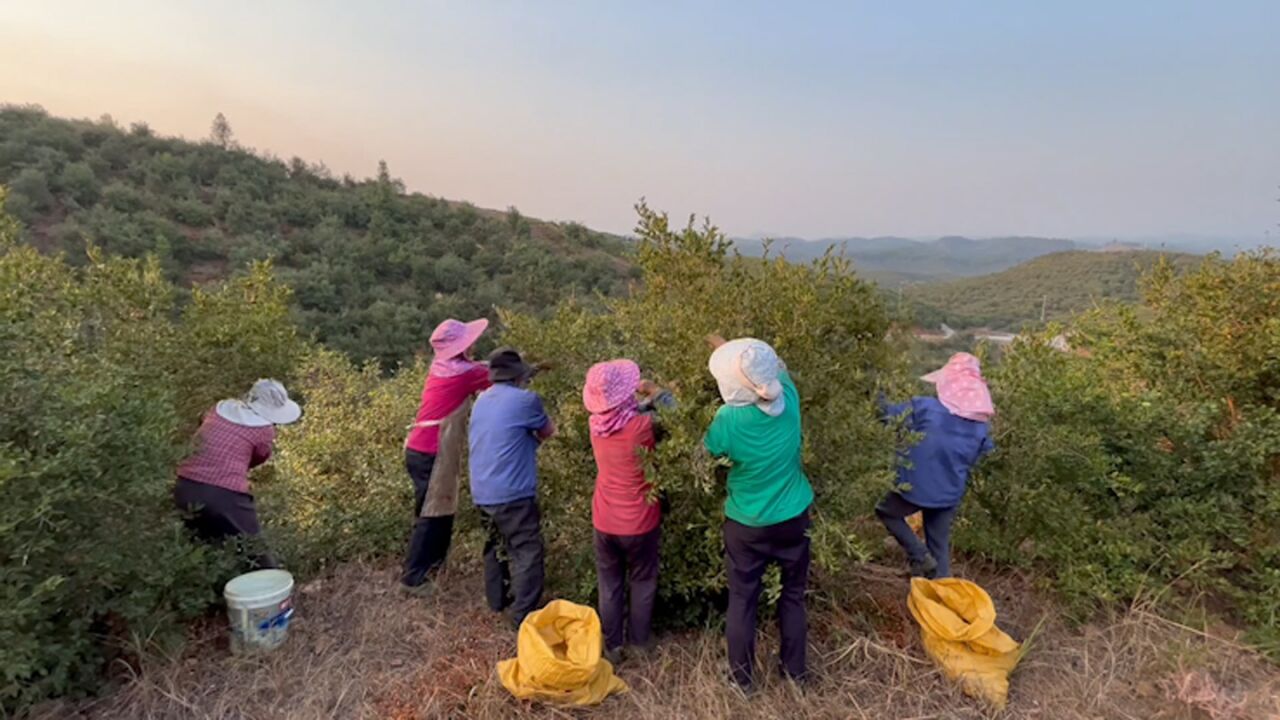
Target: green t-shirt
<point>767,484</point>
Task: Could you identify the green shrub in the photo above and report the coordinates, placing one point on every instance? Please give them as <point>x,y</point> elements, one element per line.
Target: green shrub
<point>1150,461</point>
<point>826,324</point>
<point>98,381</point>
<point>337,489</point>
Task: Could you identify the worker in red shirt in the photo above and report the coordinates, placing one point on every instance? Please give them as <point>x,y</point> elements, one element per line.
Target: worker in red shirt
<point>435,445</point>
<point>625,509</point>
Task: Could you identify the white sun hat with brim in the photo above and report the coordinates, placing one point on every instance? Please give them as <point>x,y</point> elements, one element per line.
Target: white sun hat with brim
<point>267,403</point>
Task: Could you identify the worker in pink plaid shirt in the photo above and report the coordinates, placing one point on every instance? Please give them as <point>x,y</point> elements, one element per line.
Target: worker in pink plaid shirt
<point>213,483</point>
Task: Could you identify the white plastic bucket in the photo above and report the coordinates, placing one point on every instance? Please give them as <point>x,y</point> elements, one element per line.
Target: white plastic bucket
<point>259,606</point>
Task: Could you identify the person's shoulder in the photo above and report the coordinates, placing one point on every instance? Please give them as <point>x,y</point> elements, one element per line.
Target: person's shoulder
<point>641,423</point>
<point>729,414</point>
<point>490,395</point>
<point>528,396</point>
<point>927,404</point>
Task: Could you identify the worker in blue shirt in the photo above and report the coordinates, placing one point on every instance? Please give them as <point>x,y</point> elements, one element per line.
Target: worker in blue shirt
<point>954,435</point>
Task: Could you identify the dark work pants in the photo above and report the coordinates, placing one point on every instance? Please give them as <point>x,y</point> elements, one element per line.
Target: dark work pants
<point>627,565</point>
<point>748,551</point>
<point>893,511</point>
<point>513,556</point>
<point>429,543</point>
<point>217,515</point>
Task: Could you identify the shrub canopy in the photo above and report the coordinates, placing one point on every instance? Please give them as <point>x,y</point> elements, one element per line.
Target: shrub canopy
<point>827,325</point>
<point>102,377</point>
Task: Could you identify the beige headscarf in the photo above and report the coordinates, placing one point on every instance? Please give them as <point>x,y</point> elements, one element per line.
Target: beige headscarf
<point>746,371</point>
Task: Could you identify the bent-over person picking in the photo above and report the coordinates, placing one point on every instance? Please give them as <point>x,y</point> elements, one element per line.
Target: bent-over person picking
<point>235,436</point>
<point>932,481</point>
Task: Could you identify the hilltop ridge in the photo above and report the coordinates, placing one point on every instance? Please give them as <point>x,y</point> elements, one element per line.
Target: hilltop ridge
<point>370,264</point>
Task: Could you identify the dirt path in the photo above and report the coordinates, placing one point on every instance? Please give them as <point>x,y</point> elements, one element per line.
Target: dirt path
<point>361,650</point>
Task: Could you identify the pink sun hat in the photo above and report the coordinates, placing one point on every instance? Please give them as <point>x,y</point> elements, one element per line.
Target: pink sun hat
<point>452,337</point>
<point>610,384</point>
<point>961,388</point>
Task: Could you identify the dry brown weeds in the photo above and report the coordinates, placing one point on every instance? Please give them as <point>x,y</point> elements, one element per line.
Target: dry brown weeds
<point>360,650</point>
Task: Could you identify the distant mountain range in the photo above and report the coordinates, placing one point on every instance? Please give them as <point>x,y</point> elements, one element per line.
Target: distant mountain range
<point>897,260</point>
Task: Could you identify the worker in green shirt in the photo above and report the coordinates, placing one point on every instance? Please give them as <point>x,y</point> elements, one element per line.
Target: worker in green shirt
<point>757,431</point>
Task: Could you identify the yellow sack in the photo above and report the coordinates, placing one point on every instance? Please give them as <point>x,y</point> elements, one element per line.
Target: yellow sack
<point>558,658</point>
<point>958,626</point>
<point>915,521</point>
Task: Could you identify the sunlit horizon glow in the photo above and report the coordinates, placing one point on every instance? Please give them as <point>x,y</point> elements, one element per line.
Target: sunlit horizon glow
<point>917,120</point>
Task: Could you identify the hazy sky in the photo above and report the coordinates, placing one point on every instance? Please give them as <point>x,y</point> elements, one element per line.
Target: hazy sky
<point>815,119</point>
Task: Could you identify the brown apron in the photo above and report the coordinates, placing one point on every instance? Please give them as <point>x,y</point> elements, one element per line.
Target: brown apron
<point>442,489</point>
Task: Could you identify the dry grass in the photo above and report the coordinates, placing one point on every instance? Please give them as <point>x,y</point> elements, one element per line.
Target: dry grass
<point>360,650</point>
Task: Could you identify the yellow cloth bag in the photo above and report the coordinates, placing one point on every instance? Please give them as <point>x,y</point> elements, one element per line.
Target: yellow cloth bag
<point>958,626</point>
<point>558,658</point>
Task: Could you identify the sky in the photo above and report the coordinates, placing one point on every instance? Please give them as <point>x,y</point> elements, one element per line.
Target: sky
<point>818,119</point>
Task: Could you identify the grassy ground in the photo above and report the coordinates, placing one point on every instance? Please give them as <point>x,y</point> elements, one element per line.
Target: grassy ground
<point>358,649</point>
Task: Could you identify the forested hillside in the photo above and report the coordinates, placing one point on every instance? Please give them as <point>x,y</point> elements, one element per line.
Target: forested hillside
<point>372,268</point>
<point>1060,284</point>
<point>896,260</point>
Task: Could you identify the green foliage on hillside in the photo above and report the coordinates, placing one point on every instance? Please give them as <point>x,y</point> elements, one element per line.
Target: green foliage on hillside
<point>1150,460</point>
<point>102,376</point>
<point>1061,284</point>
<point>372,268</point>
<point>826,324</point>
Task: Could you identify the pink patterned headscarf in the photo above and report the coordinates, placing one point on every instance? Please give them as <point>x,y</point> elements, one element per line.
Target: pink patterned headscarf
<point>961,388</point>
<point>610,395</point>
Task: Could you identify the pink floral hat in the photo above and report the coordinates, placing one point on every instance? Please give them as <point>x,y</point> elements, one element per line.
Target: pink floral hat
<point>961,388</point>
<point>610,384</point>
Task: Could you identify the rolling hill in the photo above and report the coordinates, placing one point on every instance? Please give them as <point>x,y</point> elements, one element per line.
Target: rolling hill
<point>1060,284</point>
<point>896,260</point>
<point>370,264</point>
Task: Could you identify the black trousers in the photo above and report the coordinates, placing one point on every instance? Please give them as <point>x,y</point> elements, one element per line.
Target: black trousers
<point>217,515</point>
<point>893,510</point>
<point>627,565</point>
<point>429,543</point>
<point>748,551</point>
<point>514,562</point>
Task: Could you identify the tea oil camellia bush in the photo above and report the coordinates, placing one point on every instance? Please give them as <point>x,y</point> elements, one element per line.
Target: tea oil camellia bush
<point>337,489</point>
<point>98,370</point>
<point>1149,459</point>
<point>827,325</point>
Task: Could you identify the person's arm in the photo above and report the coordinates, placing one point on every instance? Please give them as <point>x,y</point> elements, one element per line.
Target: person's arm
<point>889,412</point>
<point>480,382</point>
<point>987,446</point>
<point>547,430</point>
<point>655,396</point>
<point>716,441</point>
<point>261,451</point>
<point>537,421</point>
